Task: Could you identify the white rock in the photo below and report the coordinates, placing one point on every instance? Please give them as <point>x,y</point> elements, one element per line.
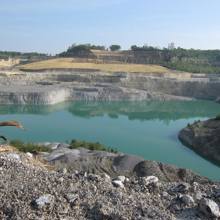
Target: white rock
<point>61,179</point>
<point>44,200</point>
<point>199,195</point>
<point>150,180</point>
<point>121,178</point>
<point>106,176</point>
<point>209,208</point>
<point>29,154</point>
<point>127,180</point>
<point>64,170</point>
<point>195,186</point>
<point>14,156</point>
<point>118,183</point>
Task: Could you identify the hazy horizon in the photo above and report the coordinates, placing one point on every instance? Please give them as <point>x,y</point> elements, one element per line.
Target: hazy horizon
<point>51,27</point>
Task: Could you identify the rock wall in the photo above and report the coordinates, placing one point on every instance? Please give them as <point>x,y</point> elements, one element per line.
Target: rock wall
<point>52,87</point>
<point>202,88</point>
<point>203,137</point>
<point>50,97</point>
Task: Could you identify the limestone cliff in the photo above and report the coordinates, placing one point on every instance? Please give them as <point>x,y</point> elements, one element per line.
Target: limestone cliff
<point>52,87</point>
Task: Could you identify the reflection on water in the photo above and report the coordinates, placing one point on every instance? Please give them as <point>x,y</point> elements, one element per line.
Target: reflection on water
<point>146,110</point>
<point>148,129</point>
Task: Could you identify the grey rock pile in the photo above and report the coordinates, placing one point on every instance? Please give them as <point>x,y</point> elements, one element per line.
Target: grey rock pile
<point>114,165</point>
<point>30,191</point>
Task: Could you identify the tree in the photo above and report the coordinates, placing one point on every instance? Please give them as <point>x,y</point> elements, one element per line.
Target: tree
<point>81,50</point>
<point>115,47</point>
<point>134,47</point>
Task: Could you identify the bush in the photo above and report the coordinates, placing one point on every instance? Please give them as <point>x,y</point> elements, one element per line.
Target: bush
<point>217,117</point>
<point>74,144</point>
<point>81,50</point>
<point>28,147</point>
<point>115,47</point>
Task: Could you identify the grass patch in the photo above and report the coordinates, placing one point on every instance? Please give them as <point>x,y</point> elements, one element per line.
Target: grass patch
<point>71,63</point>
<point>29,147</point>
<point>74,144</point>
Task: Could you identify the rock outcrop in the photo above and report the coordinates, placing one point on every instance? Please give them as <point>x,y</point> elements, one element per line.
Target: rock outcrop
<point>31,191</point>
<point>52,87</point>
<point>204,138</point>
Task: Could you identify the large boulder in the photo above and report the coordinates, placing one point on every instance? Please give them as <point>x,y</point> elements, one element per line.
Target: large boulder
<point>166,172</point>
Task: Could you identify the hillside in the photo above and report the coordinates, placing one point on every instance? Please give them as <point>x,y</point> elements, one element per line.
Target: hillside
<point>190,60</point>
<point>179,59</point>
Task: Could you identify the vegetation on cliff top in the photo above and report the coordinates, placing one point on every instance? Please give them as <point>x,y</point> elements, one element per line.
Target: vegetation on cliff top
<point>190,60</point>
<point>27,55</point>
<point>217,117</point>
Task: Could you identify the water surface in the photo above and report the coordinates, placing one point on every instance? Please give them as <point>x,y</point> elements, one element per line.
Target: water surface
<point>148,129</point>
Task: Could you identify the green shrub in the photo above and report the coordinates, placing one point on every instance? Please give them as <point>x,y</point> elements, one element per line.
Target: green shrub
<point>28,147</point>
<point>33,148</point>
<point>217,117</point>
<point>74,144</point>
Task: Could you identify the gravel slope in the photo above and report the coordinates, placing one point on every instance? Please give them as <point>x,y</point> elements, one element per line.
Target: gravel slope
<point>30,191</point>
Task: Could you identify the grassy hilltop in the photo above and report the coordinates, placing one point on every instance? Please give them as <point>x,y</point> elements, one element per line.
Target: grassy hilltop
<point>70,63</point>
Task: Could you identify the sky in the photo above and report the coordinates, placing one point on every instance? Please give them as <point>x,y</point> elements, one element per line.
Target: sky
<point>51,26</point>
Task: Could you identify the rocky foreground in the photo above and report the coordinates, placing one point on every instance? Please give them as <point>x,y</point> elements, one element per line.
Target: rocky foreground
<point>30,189</point>
<point>204,138</point>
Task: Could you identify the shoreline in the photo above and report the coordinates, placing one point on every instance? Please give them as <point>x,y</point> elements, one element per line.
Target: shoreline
<point>203,138</point>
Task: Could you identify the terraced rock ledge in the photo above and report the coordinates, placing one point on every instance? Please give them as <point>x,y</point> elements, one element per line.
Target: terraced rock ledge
<point>50,87</point>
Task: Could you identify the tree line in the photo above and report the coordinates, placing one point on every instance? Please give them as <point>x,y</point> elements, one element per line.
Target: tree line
<point>190,60</point>
<point>15,54</point>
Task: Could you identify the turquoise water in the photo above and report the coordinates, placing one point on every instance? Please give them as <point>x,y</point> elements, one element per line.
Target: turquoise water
<point>148,129</point>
